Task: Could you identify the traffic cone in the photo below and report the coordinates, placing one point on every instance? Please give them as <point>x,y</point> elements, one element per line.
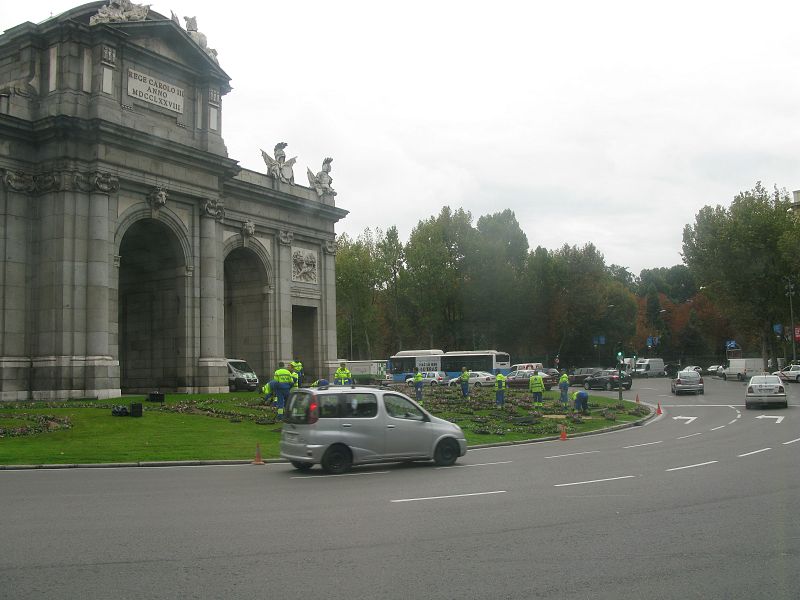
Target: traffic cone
<point>658,412</point>
<point>563,432</point>
<point>257,460</point>
<point>637,398</point>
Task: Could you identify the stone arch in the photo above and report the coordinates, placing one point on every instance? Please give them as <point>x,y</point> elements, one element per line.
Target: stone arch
<point>163,215</point>
<point>248,302</point>
<point>249,242</point>
<point>153,291</point>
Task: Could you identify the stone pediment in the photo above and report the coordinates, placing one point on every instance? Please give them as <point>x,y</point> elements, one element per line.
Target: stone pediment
<point>157,34</point>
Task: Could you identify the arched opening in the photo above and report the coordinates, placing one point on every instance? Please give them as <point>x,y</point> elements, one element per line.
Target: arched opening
<point>246,311</point>
<point>152,307</point>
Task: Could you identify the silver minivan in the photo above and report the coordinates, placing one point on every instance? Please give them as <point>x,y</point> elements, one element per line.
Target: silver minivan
<point>338,427</point>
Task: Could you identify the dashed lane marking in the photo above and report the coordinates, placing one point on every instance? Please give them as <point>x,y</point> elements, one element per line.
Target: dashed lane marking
<point>791,442</point>
<point>502,462</point>
<point>451,496</point>
<point>594,481</point>
<point>754,452</point>
<point>573,454</point>
<point>715,428</point>
<point>711,462</point>
<point>683,437</point>
<point>639,445</point>
<point>342,475</point>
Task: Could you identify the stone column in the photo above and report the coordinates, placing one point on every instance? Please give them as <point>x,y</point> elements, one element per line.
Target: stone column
<point>100,369</point>
<point>328,347</point>
<point>212,375</point>
<point>283,281</point>
<point>15,363</point>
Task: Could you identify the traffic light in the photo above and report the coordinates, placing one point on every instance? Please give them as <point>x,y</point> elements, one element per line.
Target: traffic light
<point>620,353</point>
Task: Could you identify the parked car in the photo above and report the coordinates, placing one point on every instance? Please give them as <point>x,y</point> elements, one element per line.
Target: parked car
<point>765,389</point>
<point>789,373</point>
<point>521,379</point>
<point>430,378</point>
<point>714,369</point>
<point>687,381</point>
<point>476,379</point>
<point>607,379</point>
<point>578,376</point>
<point>339,427</point>
<point>693,368</point>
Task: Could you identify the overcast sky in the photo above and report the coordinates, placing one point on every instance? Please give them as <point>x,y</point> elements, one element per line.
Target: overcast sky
<point>607,122</point>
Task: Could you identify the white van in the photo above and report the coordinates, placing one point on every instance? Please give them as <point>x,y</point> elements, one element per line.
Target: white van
<point>241,375</point>
<point>742,369</point>
<point>650,367</point>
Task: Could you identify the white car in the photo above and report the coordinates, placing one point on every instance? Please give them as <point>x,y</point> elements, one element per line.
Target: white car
<point>789,373</point>
<point>714,369</point>
<point>476,379</point>
<point>693,368</point>
<point>765,389</point>
<point>430,378</point>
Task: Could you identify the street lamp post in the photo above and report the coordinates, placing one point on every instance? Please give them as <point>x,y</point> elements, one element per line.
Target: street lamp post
<point>790,294</point>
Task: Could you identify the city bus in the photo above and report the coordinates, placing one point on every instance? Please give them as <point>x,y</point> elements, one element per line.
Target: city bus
<point>401,365</point>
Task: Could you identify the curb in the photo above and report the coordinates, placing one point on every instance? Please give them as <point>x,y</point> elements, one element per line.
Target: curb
<point>271,461</point>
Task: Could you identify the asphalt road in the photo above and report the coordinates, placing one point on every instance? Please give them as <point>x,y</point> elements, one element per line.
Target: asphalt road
<point>683,507</point>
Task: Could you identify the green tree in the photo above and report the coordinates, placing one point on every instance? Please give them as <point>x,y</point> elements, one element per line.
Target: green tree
<point>739,254</point>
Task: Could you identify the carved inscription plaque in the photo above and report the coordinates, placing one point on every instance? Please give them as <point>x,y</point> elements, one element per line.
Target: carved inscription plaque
<point>152,90</point>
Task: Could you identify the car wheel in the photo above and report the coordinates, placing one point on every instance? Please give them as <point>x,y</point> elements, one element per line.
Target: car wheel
<point>433,383</point>
<point>586,386</point>
<point>724,377</point>
<point>786,404</point>
<point>608,386</point>
<point>797,379</point>
<point>337,460</point>
<point>446,453</point>
<point>301,466</point>
<point>746,405</point>
<point>628,387</point>
<point>703,392</point>
<point>738,377</point>
<point>477,384</point>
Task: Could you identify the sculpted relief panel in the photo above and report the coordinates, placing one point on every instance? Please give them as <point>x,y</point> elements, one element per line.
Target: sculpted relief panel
<point>304,265</point>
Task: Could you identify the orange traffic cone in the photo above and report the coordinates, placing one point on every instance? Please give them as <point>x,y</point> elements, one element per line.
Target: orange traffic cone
<point>658,412</point>
<point>563,432</point>
<point>257,460</point>
<point>637,398</point>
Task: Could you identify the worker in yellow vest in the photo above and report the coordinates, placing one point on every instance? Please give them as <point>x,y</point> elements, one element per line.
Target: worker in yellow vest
<point>342,375</point>
<point>536,386</point>
<point>418,384</point>
<point>500,389</point>
<point>284,381</point>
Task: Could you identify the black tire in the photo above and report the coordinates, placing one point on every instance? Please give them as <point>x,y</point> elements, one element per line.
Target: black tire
<point>747,405</point>
<point>301,466</point>
<point>586,386</point>
<point>786,404</point>
<point>797,379</point>
<point>628,387</point>
<point>446,453</point>
<point>477,384</point>
<point>433,383</point>
<point>724,377</point>
<point>703,392</point>
<point>739,377</point>
<point>608,386</point>
<point>337,460</point>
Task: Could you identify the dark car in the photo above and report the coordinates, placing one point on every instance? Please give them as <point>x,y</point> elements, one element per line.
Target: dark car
<point>607,379</point>
<point>521,379</point>
<point>578,376</point>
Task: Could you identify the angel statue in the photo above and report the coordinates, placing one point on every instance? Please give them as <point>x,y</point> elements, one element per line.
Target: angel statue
<point>279,168</point>
<point>322,181</point>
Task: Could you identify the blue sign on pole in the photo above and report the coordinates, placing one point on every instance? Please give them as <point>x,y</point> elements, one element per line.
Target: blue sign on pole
<point>777,329</point>
<point>602,340</point>
<point>595,340</point>
<point>649,341</point>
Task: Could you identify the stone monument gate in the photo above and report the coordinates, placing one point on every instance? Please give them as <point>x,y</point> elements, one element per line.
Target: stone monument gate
<point>134,254</point>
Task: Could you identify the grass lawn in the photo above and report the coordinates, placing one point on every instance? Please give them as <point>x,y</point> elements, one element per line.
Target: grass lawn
<point>228,426</point>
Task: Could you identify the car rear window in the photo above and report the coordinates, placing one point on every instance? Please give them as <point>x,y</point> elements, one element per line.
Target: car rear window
<point>297,407</point>
<point>349,405</point>
<point>688,375</point>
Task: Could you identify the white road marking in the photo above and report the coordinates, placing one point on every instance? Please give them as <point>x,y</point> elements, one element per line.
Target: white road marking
<point>720,427</point>
<point>732,422</point>
<point>683,437</point>
<point>791,442</point>
<point>572,454</point>
<point>754,452</point>
<point>594,481</point>
<point>638,445</point>
<point>711,462</point>
<point>452,496</point>
<point>342,475</point>
<point>503,462</point>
